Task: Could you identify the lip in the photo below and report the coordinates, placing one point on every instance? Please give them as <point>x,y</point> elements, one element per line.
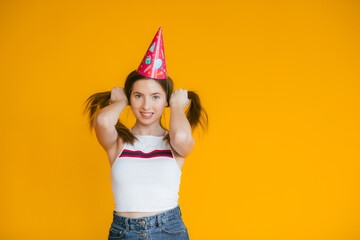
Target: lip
<point>146,117</point>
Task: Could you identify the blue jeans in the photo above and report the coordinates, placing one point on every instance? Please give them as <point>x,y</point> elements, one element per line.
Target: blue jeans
<point>166,225</point>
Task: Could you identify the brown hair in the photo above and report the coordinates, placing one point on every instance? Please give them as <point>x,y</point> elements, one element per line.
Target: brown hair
<point>195,113</point>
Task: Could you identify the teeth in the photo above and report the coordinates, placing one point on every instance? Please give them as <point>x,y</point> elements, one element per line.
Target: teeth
<point>146,114</point>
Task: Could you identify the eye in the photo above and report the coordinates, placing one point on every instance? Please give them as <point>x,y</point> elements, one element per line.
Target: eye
<point>157,97</point>
<point>136,96</point>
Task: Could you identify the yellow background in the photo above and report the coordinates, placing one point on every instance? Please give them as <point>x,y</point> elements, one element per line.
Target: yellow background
<point>279,80</point>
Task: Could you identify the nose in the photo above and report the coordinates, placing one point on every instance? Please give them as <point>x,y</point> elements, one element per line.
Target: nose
<point>146,104</point>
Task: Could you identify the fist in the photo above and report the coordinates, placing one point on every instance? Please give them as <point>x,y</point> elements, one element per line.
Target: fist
<point>179,98</point>
<point>118,94</point>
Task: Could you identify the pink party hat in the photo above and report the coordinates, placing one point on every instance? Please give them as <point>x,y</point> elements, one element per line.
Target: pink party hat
<point>153,64</point>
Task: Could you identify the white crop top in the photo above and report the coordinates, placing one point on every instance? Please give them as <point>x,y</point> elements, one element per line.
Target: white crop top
<point>145,176</point>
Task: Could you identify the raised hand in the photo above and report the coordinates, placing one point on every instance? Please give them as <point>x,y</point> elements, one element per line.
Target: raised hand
<point>179,98</point>
<point>118,94</point>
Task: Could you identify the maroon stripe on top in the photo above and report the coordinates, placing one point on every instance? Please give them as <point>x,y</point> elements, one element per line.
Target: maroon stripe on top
<point>141,154</point>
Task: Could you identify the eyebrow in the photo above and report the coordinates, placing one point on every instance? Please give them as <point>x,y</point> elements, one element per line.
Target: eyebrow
<point>150,94</point>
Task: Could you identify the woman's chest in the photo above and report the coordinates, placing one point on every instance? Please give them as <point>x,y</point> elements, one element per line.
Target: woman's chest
<point>120,150</point>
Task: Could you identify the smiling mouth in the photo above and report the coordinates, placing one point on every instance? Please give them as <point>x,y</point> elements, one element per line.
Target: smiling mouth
<point>146,114</point>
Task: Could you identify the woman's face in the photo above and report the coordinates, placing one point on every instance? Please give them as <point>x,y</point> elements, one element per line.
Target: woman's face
<point>148,100</point>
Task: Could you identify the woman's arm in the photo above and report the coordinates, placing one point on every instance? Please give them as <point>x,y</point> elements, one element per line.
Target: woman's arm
<point>111,113</point>
<point>107,117</point>
<point>181,138</point>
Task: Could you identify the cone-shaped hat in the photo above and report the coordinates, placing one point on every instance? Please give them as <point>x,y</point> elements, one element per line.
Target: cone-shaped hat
<point>153,65</point>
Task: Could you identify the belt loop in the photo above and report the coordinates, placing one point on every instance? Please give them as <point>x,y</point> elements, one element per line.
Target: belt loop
<point>180,211</point>
<point>159,220</point>
<point>127,224</point>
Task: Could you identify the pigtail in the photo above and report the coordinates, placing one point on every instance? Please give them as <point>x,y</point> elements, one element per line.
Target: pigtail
<point>94,103</point>
<point>196,114</point>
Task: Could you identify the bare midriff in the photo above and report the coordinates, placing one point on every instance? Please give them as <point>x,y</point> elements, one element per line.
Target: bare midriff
<point>137,214</point>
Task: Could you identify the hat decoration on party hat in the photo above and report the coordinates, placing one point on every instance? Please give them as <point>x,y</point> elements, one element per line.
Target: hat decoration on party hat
<point>153,64</point>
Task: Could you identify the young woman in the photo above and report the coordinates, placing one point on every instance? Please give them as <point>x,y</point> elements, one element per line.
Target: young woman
<point>146,160</point>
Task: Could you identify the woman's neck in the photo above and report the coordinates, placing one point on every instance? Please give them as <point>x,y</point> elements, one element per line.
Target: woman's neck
<point>143,130</point>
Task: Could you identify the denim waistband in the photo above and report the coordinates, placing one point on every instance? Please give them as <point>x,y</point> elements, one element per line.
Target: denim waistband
<point>157,219</point>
